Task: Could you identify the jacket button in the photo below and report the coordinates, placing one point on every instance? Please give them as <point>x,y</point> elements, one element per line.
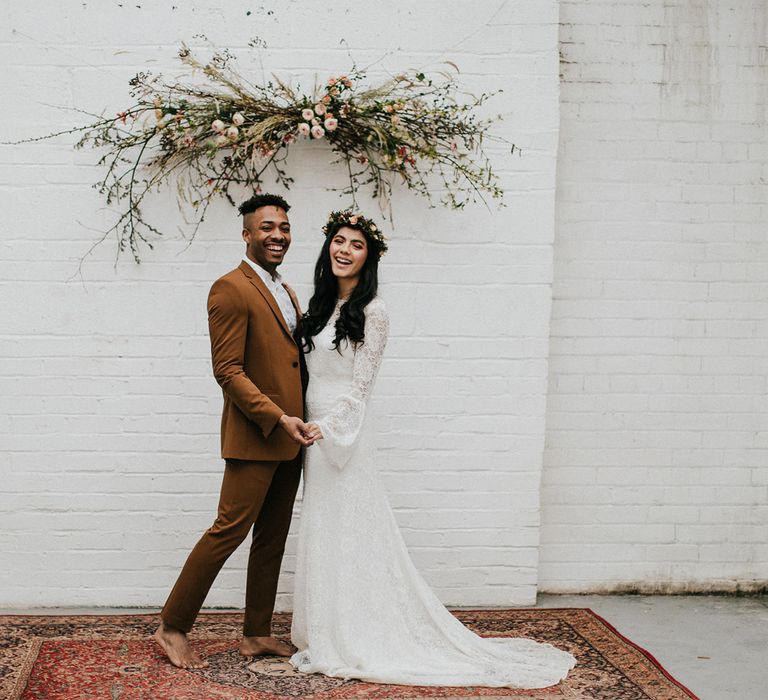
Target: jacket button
<point>294,364</point>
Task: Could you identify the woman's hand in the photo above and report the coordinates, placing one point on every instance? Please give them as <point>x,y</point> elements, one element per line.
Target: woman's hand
<point>313,433</point>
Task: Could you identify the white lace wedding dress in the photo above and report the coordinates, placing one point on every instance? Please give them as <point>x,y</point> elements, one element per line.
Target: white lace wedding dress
<point>361,609</point>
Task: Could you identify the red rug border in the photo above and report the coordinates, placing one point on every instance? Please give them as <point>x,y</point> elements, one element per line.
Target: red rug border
<point>230,611</point>
<point>645,652</point>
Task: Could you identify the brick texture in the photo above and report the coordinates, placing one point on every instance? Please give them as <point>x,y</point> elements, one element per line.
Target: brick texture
<point>655,473</point>
<point>109,413</point>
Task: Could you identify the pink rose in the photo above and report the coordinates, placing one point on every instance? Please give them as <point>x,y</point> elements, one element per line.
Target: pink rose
<point>331,82</point>
<point>326,100</point>
<point>304,129</point>
<point>331,124</point>
<point>217,125</point>
<point>320,109</point>
<point>238,119</point>
<point>307,114</point>
<point>232,132</point>
<point>318,132</point>
<point>353,220</point>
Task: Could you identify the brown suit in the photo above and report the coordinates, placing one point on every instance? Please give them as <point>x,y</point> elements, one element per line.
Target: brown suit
<point>261,370</point>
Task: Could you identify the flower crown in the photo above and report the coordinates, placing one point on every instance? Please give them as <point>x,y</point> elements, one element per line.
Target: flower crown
<point>346,217</point>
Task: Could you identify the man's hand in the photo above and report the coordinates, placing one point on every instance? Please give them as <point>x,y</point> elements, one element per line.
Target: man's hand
<point>297,429</point>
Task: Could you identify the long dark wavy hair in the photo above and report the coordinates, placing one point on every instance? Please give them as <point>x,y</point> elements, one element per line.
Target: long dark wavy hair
<point>350,325</point>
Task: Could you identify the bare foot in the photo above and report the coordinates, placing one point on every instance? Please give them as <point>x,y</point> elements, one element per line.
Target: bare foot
<point>176,647</point>
<point>258,646</point>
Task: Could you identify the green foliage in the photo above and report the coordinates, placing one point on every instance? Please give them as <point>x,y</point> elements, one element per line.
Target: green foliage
<point>222,134</point>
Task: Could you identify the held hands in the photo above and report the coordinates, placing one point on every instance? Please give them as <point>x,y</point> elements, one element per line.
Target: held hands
<point>313,432</point>
<point>299,431</point>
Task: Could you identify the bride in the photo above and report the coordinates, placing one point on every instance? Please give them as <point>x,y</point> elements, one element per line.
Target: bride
<point>361,609</point>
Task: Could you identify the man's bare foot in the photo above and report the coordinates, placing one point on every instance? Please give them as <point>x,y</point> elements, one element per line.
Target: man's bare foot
<point>259,646</point>
<point>176,647</point>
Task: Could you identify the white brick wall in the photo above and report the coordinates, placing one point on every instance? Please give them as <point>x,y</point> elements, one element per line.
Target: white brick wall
<point>109,414</point>
<point>656,454</point>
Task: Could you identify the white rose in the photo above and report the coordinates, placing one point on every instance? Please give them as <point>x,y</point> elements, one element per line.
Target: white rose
<point>217,125</point>
<point>304,129</point>
<point>307,114</point>
<point>318,132</point>
<point>232,132</point>
<point>331,124</point>
<point>320,108</point>
<point>238,119</point>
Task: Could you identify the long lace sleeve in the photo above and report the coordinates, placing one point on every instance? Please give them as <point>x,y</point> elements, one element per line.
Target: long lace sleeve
<point>341,426</point>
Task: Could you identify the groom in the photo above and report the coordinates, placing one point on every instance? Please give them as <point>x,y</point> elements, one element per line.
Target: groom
<point>252,319</point>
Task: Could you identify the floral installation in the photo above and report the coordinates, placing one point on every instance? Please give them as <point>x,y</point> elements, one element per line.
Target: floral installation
<point>219,136</point>
<point>348,217</point>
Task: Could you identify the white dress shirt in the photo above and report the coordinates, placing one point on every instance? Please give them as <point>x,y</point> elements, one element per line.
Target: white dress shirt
<point>279,292</point>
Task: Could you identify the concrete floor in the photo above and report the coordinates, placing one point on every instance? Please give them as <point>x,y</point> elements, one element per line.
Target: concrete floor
<point>717,646</point>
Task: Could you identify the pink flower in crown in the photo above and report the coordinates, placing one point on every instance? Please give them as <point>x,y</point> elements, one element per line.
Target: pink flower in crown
<point>388,108</point>
<point>304,129</point>
<point>307,114</point>
<point>320,109</point>
<point>331,124</point>
<point>318,132</point>
<point>353,219</point>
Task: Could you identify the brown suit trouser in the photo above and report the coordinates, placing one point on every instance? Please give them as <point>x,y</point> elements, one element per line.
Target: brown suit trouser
<point>258,494</point>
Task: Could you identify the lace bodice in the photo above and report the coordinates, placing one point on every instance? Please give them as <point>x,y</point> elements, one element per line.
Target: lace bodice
<point>341,383</point>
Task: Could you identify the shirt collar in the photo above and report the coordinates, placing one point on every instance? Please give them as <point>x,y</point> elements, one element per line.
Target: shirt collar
<point>265,276</point>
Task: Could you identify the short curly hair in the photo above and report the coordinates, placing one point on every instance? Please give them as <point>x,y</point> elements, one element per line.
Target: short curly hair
<point>263,200</point>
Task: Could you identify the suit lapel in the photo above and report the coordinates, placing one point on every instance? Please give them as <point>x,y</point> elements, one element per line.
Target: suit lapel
<point>294,301</point>
<point>257,282</point>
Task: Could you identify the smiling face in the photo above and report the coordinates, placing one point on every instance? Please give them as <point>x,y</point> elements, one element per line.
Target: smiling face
<point>348,251</point>
<point>267,235</point>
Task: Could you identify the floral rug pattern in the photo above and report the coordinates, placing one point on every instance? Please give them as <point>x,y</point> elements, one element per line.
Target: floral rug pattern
<point>114,657</point>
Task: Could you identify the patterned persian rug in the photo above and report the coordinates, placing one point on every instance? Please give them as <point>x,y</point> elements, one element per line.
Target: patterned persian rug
<point>114,657</point>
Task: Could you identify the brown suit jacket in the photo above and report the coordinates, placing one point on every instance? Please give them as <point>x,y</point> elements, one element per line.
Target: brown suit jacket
<point>257,363</point>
